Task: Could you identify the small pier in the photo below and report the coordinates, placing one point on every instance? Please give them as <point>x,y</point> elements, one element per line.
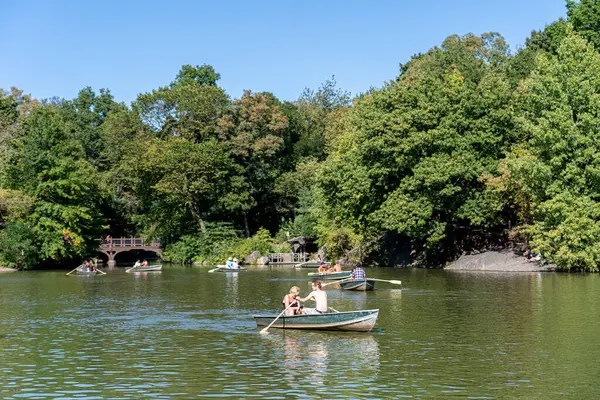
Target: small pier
<point>288,258</point>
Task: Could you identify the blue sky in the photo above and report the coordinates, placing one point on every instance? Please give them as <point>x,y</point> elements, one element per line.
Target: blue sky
<point>55,48</point>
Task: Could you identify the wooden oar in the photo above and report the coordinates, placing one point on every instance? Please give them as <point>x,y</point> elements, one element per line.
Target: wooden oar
<point>322,273</point>
<point>69,273</point>
<point>393,282</point>
<point>340,281</point>
<point>214,269</point>
<point>264,331</point>
<point>301,264</point>
<point>102,272</point>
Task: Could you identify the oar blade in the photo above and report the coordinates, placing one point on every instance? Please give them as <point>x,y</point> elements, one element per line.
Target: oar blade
<point>264,331</point>
<point>396,282</point>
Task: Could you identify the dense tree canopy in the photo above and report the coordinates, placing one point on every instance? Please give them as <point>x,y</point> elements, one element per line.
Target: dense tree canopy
<point>468,144</point>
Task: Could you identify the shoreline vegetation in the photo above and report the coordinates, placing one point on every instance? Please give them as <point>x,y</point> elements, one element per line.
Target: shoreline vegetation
<point>470,145</point>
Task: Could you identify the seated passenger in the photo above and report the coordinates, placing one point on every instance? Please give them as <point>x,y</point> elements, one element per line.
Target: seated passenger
<point>291,300</point>
<point>337,267</point>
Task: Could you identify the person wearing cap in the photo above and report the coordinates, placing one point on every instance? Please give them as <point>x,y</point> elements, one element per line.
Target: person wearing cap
<point>229,263</point>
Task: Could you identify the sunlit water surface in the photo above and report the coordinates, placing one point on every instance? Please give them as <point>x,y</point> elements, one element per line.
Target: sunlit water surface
<point>186,333</point>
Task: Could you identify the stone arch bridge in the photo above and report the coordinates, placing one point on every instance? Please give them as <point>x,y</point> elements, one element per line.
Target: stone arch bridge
<point>113,246</point>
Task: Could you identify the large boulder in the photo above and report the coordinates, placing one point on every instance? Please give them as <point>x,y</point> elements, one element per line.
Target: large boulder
<point>252,258</point>
<point>262,261</point>
<point>504,260</point>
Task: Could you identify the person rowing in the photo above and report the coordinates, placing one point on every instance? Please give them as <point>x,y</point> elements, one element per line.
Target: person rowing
<point>291,303</point>
<point>358,274</point>
<point>229,263</point>
<point>320,298</point>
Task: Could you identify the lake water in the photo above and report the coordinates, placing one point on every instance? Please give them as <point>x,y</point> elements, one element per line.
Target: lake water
<point>186,333</point>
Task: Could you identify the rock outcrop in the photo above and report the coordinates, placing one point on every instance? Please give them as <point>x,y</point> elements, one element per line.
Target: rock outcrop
<point>502,260</point>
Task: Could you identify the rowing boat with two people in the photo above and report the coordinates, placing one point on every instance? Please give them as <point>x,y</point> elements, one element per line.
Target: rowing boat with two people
<point>354,321</point>
<point>87,268</point>
<point>225,268</point>
<point>147,268</point>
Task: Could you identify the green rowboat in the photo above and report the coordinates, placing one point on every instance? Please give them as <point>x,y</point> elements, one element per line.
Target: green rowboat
<point>355,321</point>
<point>358,285</point>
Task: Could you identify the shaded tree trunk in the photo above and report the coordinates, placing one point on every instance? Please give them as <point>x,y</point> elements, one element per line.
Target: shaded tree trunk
<point>246,225</point>
<point>198,218</point>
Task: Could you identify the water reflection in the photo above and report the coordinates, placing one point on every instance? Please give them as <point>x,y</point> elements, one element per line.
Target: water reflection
<point>232,286</point>
<point>189,334</point>
<point>320,355</point>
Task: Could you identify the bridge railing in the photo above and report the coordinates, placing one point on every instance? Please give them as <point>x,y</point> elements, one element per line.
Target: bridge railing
<point>129,242</point>
<point>288,258</point>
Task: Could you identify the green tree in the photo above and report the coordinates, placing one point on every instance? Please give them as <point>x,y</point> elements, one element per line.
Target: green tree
<point>51,168</point>
<point>253,130</point>
<point>584,15</point>
<point>415,153</point>
<point>558,167</point>
<point>189,107</point>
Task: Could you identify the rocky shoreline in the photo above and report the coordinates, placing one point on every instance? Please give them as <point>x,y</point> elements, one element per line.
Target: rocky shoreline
<point>4,269</point>
<point>501,261</point>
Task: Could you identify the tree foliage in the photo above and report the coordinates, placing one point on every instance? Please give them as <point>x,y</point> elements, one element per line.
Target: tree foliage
<point>468,142</point>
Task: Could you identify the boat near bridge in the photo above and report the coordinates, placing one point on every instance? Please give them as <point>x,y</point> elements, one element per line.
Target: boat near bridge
<point>148,268</point>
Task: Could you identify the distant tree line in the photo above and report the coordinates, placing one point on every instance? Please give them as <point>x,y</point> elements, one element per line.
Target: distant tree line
<point>470,143</point>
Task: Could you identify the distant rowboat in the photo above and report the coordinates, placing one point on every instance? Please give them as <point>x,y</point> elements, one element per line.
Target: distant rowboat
<point>329,277</point>
<point>311,264</point>
<point>361,285</point>
<point>149,268</point>
<point>224,268</point>
<point>357,321</point>
<point>81,272</point>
